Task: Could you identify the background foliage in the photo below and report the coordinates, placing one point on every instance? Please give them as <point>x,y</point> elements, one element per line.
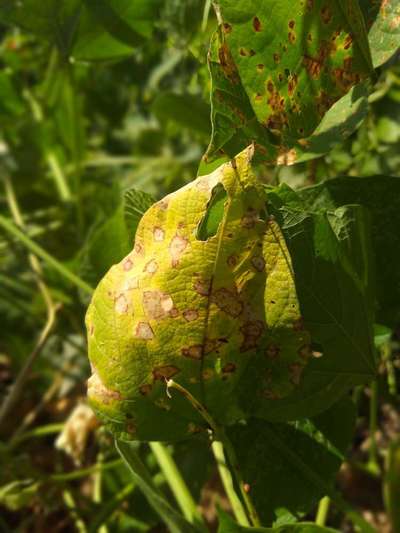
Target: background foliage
<point>104,107</point>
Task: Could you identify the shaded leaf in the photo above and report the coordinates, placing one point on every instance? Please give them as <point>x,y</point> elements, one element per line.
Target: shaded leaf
<point>54,20</point>
<point>334,247</point>
<point>174,521</point>
<point>380,195</point>
<point>187,110</point>
<point>303,456</point>
<point>228,525</point>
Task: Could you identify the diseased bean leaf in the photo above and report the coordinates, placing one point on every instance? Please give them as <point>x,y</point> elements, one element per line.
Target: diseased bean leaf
<point>273,82</point>
<point>206,294</point>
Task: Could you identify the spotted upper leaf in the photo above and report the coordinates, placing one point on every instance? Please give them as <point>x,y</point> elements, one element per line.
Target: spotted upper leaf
<point>198,301</point>
<point>278,67</point>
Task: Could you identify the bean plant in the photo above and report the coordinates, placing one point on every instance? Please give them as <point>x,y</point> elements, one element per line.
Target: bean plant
<point>215,188</point>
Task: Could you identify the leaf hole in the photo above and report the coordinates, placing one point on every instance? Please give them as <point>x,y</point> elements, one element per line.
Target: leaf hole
<point>209,224</point>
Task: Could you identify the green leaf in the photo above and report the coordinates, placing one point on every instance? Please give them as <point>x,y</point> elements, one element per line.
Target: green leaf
<point>326,246</point>
<point>228,525</point>
<point>383,22</point>
<point>136,203</point>
<point>171,518</point>
<point>273,83</point>
<point>55,20</point>
<point>112,239</point>
<point>18,494</point>
<point>127,21</point>
<point>380,195</point>
<point>186,110</point>
<point>304,456</point>
<point>198,310</point>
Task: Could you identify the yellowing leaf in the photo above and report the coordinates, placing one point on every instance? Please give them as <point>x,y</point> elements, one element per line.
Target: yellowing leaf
<point>206,293</point>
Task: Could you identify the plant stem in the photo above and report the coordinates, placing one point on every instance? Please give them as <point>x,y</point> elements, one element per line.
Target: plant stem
<point>373,463</point>
<point>220,435</point>
<point>227,482</point>
<point>56,171</point>
<point>176,483</point>
<point>45,256</point>
<point>51,307</point>
<point>71,506</point>
<point>175,522</point>
<point>97,489</point>
<point>323,511</point>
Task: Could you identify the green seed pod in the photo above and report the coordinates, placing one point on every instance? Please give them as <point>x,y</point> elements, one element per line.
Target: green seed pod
<point>206,297</point>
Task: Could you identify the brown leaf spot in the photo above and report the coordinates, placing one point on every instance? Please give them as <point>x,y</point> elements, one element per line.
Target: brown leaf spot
<point>91,330</point>
<point>163,204</point>
<point>227,27</point>
<point>258,263</point>
<point>256,24</point>
<point>277,58</point>
<point>121,304</point>
<point>252,332</point>
<point>174,312</point>
<point>144,331</point>
<point>348,42</point>
<point>177,246</point>
<point>227,64</point>
<point>158,234</point>
<point>326,14</point>
<point>228,301</point>
<point>292,84</point>
<point>193,352</point>
<point>272,351</point>
<point>249,219</point>
<point>229,368</point>
<point>292,37</point>
<point>157,304</point>
<point>260,67</point>
<point>202,287</point>
<point>151,267</point>
<point>291,24</point>
<point>162,373</point>
<point>146,389</point>
<point>139,248</point>
<point>232,260</point>
<point>127,264</point>
<point>212,345</point>
<point>130,284</point>
<point>96,389</point>
<point>190,314</point>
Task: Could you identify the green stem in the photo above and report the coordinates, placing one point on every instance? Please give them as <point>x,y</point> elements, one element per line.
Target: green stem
<point>58,176</point>
<point>97,487</point>
<point>227,482</point>
<point>46,257</point>
<point>323,511</point>
<point>110,506</point>
<point>175,522</point>
<point>71,506</point>
<point>220,435</point>
<point>373,463</point>
<point>176,483</point>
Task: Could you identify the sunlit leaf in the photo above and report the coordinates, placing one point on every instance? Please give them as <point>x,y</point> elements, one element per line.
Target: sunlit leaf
<point>190,302</point>
<point>274,83</point>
